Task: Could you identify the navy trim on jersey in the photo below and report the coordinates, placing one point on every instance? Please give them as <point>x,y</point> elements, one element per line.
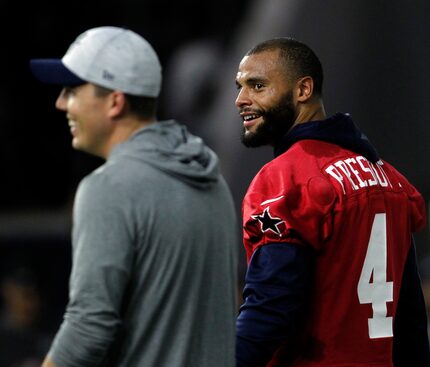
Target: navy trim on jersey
<point>275,296</point>
<point>411,343</point>
<point>338,129</point>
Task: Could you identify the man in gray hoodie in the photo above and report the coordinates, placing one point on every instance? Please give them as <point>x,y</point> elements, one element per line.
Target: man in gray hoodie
<point>155,235</point>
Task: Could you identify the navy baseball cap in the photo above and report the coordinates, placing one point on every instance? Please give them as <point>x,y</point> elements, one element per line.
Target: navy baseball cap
<point>53,71</point>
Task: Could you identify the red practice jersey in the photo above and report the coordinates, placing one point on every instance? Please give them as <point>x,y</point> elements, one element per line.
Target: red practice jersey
<point>359,217</point>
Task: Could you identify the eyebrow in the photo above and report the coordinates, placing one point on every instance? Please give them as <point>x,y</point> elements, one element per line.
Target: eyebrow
<point>253,80</point>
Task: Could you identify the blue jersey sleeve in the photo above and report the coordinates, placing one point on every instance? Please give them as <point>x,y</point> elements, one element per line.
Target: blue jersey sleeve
<point>411,343</point>
<point>275,298</point>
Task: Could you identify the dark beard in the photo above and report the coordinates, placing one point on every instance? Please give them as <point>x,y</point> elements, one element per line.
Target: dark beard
<point>276,123</point>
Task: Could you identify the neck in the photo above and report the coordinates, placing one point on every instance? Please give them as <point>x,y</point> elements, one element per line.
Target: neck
<point>314,112</point>
<point>123,131</point>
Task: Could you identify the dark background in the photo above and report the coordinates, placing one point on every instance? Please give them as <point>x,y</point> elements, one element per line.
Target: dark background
<point>376,56</point>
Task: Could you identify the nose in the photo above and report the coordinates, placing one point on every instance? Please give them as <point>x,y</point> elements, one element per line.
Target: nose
<point>61,102</point>
<point>242,98</point>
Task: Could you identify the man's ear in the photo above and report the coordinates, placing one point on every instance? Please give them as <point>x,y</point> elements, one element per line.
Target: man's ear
<point>117,104</point>
<point>304,88</point>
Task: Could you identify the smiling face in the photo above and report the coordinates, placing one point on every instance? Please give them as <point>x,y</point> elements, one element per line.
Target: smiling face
<point>265,99</point>
<point>87,115</point>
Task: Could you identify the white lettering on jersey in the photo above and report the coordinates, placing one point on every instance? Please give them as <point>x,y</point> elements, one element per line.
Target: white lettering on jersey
<point>359,173</point>
<point>333,172</point>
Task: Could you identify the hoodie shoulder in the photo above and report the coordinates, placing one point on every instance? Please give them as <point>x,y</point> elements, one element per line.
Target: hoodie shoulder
<point>170,148</point>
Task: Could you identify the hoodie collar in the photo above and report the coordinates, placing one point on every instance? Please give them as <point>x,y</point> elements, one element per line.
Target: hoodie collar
<point>338,129</point>
<point>169,147</point>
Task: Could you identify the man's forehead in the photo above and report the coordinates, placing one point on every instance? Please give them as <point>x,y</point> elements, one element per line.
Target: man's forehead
<point>268,59</point>
<point>259,64</point>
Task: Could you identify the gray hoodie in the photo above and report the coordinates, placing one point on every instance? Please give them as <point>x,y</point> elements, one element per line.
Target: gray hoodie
<point>155,241</point>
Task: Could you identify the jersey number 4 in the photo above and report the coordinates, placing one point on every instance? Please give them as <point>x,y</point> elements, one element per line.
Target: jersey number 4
<point>373,286</point>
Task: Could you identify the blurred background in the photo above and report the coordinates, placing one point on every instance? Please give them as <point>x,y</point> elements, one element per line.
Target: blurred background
<point>376,56</point>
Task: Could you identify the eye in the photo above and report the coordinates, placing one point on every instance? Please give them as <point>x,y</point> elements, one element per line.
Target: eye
<point>67,91</point>
<point>258,86</point>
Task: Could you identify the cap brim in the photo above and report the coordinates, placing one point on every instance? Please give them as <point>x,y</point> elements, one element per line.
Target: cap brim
<point>53,71</point>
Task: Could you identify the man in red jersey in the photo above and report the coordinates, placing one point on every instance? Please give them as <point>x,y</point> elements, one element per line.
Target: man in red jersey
<point>328,230</point>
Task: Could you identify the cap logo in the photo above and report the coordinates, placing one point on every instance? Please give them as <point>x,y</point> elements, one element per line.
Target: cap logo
<point>108,76</point>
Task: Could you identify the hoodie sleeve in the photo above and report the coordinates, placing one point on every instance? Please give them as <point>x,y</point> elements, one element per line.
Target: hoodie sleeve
<point>275,296</point>
<point>101,266</point>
